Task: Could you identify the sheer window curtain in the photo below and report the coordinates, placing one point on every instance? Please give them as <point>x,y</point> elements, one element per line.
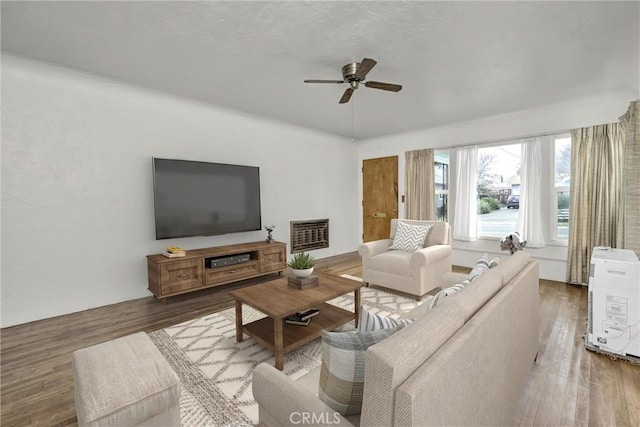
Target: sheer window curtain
<point>420,189</point>
<point>530,221</point>
<point>597,154</point>
<point>465,199</point>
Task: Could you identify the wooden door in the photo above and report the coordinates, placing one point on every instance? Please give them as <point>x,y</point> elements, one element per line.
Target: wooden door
<point>379,196</point>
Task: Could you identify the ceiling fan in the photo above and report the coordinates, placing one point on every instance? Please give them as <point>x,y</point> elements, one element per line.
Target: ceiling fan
<point>354,74</point>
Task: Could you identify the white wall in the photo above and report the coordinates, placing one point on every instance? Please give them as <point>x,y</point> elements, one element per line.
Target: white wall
<point>77,201</point>
<point>605,108</point>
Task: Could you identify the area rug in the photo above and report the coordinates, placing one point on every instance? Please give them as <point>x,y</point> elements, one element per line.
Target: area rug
<point>216,371</point>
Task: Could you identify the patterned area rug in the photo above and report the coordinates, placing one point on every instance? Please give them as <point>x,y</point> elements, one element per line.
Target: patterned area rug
<point>216,371</point>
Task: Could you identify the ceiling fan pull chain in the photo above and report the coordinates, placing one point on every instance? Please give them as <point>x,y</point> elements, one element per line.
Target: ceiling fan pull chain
<point>352,140</point>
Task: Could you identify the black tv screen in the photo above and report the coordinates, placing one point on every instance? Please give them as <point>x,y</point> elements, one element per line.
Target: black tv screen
<point>202,199</point>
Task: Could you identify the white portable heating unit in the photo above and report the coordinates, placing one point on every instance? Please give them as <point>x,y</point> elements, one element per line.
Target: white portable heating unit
<point>614,303</point>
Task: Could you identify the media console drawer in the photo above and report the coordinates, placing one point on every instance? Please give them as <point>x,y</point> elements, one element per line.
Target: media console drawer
<point>174,276</point>
<point>231,273</point>
<point>272,259</point>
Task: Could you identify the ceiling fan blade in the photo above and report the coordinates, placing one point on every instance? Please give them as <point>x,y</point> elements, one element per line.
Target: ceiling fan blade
<point>346,96</point>
<point>365,66</point>
<point>324,81</point>
<point>384,86</point>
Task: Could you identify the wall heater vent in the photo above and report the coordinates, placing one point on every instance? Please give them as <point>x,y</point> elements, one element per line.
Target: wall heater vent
<point>310,234</point>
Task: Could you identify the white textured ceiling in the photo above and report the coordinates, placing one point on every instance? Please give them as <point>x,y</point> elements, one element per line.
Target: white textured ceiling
<point>456,60</point>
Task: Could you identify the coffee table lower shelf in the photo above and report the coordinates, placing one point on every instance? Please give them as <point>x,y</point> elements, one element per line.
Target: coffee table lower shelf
<point>294,336</point>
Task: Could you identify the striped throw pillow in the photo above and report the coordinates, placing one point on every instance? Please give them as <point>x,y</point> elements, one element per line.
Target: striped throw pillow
<point>409,237</point>
<point>370,321</point>
<point>436,299</point>
<point>342,371</point>
<point>481,266</point>
<point>457,288</point>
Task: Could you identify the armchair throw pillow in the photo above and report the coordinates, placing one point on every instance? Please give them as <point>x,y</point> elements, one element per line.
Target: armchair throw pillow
<point>409,237</point>
<point>342,371</point>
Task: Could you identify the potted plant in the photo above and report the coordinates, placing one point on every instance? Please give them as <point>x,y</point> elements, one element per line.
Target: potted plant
<point>302,264</point>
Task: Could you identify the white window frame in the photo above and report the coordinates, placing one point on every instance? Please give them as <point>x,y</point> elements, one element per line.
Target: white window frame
<point>550,215</point>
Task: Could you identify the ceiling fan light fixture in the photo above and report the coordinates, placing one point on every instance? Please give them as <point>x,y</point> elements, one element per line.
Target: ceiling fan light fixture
<point>356,73</point>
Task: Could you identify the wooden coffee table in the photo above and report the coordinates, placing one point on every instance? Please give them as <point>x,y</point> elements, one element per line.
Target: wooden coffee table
<point>278,300</point>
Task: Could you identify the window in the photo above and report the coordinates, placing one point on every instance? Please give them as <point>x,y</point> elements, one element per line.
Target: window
<point>441,171</point>
<point>498,189</point>
<point>562,185</point>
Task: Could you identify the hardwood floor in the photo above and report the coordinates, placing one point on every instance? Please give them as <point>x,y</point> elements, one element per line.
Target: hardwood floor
<point>568,385</point>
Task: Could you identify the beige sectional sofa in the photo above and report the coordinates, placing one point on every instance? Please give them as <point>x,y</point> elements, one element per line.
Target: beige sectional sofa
<point>464,362</point>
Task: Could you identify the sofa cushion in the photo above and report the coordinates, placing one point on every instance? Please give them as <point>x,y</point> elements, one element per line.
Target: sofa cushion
<point>410,237</point>
<point>511,265</point>
<point>370,321</point>
<point>476,295</point>
<point>392,262</point>
<point>343,361</point>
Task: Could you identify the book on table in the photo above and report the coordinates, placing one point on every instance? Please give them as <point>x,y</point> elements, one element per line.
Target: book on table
<point>302,317</point>
<point>293,320</point>
<point>174,249</point>
<point>174,254</point>
<point>307,314</point>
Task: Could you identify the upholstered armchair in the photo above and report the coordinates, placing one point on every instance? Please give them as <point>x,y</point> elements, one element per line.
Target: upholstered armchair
<point>413,272</point>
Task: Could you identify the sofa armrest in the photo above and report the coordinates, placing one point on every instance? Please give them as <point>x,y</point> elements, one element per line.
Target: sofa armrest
<point>429,255</point>
<point>283,402</point>
<point>371,249</point>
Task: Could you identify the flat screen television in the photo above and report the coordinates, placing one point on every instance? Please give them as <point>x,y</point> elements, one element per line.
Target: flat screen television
<point>202,199</point>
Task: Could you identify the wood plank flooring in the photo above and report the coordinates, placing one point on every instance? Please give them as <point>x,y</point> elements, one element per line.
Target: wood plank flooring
<point>568,385</point>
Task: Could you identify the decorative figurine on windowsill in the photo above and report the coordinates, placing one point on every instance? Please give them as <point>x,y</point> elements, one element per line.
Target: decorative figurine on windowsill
<point>512,242</point>
<point>269,229</point>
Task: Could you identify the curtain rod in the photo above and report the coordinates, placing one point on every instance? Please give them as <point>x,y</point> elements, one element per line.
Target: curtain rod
<point>500,141</point>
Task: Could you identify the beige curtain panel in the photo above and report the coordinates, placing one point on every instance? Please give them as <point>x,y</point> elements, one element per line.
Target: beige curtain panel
<point>420,191</point>
<point>629,231</point>
<point>596,192</point>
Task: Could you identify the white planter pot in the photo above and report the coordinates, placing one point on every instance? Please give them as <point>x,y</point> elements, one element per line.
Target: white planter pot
<point>303,273</point>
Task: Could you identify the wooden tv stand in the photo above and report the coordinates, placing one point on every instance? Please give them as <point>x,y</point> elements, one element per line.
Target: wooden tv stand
<point>192,272</point>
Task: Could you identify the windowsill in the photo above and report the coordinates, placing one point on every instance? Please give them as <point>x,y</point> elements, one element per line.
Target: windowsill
<point>491,245</point>
<point>558,243</point>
